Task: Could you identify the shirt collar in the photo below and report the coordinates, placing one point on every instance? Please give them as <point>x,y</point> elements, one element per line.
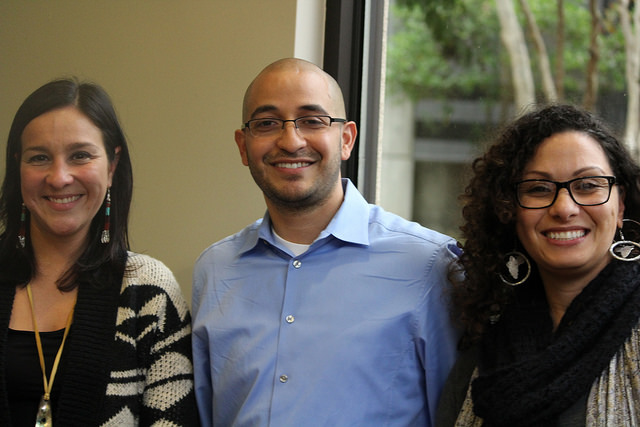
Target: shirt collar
<point>349,224</point>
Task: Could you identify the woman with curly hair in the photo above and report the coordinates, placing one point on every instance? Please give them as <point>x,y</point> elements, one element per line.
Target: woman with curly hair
<point>550,298</point>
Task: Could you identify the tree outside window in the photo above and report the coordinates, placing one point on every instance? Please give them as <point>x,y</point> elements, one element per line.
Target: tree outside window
<point>458,69</point>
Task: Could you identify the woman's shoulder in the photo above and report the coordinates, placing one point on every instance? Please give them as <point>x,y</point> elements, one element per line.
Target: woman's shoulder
<point>144,272</point>
<point>145,266</point>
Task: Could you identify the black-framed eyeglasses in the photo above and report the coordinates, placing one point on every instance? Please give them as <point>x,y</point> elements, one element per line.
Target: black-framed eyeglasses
<point>305,125</point>
<point>584,191</point>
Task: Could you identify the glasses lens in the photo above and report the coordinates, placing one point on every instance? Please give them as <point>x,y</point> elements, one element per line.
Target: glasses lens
<point>592,190</point>
<point>536,193</point>
<point>311,124</point>
<point>265,127</point>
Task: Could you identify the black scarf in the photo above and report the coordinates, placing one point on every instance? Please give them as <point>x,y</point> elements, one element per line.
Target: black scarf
<point>530,374</point>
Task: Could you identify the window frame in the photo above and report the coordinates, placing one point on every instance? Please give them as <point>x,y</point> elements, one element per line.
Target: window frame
<point>354,54</point>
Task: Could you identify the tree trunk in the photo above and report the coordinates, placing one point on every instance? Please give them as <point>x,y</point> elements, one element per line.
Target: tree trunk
<point>548,86</point>
<point>591,91</point>
<point>513,40</point>
<point>631,30</point>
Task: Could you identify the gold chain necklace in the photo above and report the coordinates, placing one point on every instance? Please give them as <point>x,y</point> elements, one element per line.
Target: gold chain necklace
<point>44,416</point>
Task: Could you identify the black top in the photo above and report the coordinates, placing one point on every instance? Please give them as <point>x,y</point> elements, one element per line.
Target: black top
<point>24,376</point>
<point>86,349</point>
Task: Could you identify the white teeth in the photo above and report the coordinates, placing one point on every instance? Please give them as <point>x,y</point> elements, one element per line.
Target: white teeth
<point>64,199</point>
<point>566,235</point>
<point>292,165</point>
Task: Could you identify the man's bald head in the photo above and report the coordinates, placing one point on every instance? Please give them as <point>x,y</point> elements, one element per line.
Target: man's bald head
<point>293,67</point>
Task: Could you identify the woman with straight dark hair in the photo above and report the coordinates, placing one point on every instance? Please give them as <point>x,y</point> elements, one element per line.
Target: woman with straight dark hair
<point>91,334</point>
<point>550,296</point>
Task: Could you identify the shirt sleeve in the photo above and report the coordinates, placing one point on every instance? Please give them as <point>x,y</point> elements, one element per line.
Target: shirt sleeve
<point>200,345</point>
<point>438,334</point>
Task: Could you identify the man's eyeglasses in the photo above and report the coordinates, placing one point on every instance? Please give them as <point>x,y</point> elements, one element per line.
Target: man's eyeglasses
<point>585,191</point>
<point>306,125</point>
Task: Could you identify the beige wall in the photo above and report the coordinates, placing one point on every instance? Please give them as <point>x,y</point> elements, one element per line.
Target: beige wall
<point>176,71</point>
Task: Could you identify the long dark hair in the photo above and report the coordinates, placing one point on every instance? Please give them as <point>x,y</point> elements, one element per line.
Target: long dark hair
<point>99,262</point>
<point>489,205</point>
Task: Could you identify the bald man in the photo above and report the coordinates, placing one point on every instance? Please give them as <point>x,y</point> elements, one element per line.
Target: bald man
<point>328,311</point>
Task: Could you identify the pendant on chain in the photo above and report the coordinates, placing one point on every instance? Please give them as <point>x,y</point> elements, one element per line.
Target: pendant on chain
<point>44,419</point>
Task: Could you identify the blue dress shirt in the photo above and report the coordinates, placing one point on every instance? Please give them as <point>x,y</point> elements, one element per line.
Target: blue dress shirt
<point>353,332</point>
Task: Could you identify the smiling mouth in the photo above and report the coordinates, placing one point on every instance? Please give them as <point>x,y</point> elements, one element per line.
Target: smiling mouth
<point>566,235</point>
<point>292,165</point>
<point>63,200</point>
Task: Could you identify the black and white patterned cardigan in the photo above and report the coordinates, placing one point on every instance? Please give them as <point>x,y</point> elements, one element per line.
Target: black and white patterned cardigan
<point>127,361</point>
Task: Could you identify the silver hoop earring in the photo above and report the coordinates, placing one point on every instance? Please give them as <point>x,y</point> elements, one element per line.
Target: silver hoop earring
<point>625,250</point>
<point>513,261</point>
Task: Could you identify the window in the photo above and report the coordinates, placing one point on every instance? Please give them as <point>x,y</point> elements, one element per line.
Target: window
<point>428,83</point>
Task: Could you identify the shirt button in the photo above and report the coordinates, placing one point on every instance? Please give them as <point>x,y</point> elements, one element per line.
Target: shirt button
<point>290,318</point>
<point>284,378</point>
<point>297,264</point>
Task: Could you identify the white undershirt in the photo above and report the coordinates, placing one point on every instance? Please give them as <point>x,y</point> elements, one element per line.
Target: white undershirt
<point>296,248</point>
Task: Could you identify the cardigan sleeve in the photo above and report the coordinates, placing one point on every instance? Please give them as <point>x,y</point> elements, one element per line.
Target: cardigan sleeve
<point>153,302</point>
<point>455,389</point>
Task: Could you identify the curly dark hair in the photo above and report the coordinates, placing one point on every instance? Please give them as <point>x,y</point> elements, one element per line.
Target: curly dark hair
<point>489,206</point>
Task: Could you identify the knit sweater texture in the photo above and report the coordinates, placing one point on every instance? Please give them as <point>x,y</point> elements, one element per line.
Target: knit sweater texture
<point>127,360</point>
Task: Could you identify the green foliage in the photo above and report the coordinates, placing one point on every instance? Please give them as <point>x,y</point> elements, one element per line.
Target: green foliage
<point>444,48</point>
<point>442,59</point>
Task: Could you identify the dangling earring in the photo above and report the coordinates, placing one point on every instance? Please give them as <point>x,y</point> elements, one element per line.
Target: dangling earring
<point>107,223</point>
<point>22,234</point>
<point>495,314</point>
<point>513,261</point>
<point>621,249</point>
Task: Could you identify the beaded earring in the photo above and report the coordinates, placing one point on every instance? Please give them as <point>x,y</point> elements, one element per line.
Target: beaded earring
<point>22,239</point>
<point>105,238</point>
